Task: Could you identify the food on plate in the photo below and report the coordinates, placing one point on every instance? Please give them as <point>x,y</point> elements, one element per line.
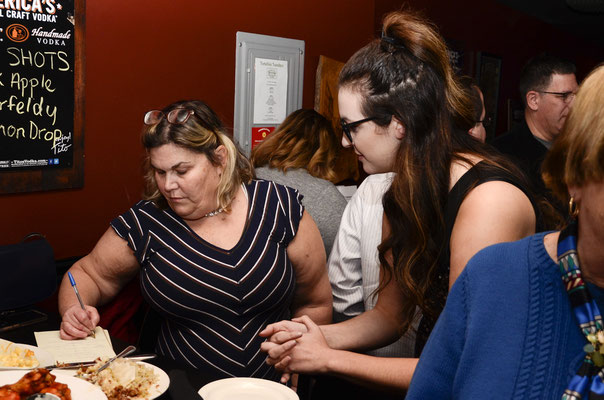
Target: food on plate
<point>122,380</point>
<point>37,381</point>
<point>15,356</point>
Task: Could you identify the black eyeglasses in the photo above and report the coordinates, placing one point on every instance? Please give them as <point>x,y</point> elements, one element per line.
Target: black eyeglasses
<point>178,116</point>
<point>485,122</point>
<point>564,96</point>
<point>346,127</point>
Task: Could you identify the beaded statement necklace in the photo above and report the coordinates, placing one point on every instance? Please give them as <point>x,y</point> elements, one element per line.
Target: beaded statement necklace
<point>588,381</point>
<point>215,212</point>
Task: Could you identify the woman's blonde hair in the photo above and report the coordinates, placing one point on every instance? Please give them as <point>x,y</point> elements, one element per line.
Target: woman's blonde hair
<point>202,133</point>
<point>305,139</point>
<point>577,156</point>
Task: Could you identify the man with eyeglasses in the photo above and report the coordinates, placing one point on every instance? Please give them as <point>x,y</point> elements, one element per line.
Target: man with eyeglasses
<point>548,86</point>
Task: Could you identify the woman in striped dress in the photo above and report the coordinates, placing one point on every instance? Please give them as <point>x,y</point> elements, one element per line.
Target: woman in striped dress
<point>220,255</point>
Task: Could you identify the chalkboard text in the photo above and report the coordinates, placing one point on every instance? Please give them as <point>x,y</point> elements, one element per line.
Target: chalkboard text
<point>39,59</point>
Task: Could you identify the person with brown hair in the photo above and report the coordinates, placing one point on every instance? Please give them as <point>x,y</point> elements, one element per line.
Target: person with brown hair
<point>302,153</point>
<point>481,121</point>
<point>523,320</point>
<point>220,254</point>
<point>404,111</point>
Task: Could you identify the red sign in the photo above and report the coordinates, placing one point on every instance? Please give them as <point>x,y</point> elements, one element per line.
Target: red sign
<point>259,133</point>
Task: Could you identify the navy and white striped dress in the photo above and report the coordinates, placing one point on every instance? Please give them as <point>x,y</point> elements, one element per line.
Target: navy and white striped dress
<point>215,301</point>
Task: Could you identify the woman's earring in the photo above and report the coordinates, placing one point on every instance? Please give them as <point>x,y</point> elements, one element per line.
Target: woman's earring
<point>573,208</point>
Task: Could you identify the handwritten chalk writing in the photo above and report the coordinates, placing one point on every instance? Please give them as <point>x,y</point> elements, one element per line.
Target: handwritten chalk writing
<point>40,32</point>
<point>1,84</point>
<point>38,59</point>
<point>32,83</point>
<point>29,5</point>
<point>62,144</point>
<point>12,131</point>
<point>61,148</point>
<point>37,133</point>
<point>30,106</point>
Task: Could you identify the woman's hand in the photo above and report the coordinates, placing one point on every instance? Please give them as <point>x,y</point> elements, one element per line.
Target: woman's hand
<point>77,323</point>
<point>282,326</point>
<point>291,349</point>
<point>281,339</point>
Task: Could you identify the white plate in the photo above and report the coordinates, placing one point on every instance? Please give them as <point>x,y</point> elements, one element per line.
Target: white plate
<point>246,389</point>
<point>80,389</point>
<point>44,357</point>
<point>163,383</point>
<point>155,391</point>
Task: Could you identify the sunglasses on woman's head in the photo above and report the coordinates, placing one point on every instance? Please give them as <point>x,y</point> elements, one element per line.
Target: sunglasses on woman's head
<point>178,116</point>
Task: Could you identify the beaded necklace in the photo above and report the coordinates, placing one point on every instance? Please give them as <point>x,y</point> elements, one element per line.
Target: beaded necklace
<point>588,381</point>
<point>215,212</point>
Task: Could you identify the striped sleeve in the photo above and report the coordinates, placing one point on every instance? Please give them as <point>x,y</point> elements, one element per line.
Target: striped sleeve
<point>128,227</point>
<point>290,201</point>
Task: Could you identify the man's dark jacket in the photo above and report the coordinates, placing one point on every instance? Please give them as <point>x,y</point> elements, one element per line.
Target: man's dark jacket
<point>528,154</point>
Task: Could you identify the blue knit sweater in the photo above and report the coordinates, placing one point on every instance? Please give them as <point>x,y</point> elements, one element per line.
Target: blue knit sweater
<point>507,331</point>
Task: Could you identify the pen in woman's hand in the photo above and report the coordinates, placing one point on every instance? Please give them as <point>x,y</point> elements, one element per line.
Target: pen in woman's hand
<point>75,289</point>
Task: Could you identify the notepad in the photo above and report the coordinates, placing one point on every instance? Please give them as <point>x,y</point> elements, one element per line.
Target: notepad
<point>82,350</point>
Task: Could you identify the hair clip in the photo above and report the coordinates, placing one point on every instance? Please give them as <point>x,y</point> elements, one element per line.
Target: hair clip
<point>394,42</point>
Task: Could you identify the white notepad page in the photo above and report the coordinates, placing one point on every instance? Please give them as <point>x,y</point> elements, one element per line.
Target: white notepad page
<point>82,350</point>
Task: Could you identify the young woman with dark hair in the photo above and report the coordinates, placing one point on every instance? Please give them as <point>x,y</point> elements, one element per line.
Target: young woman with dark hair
<point>403,110</point>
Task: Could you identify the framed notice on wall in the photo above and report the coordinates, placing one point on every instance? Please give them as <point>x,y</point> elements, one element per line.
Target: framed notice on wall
<point>270,90</point>
<point>41,95</point>
<point>269,74</point>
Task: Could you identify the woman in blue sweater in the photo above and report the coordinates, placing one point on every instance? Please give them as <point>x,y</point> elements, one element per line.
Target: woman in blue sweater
<point>522,320</point>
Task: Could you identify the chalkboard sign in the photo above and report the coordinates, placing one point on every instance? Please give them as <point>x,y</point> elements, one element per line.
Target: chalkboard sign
<point>41,100</point>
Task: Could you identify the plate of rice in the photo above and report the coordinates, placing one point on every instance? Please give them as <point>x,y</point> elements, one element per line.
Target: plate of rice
<point>127,379</point>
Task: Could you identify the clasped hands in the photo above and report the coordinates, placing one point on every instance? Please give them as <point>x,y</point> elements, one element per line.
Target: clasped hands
<point>296,346</point>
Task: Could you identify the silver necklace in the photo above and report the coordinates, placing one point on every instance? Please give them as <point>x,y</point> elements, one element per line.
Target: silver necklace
<point>215,212</point>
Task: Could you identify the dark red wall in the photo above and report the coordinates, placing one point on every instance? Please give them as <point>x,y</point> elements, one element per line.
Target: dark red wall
<point>145,54</point>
